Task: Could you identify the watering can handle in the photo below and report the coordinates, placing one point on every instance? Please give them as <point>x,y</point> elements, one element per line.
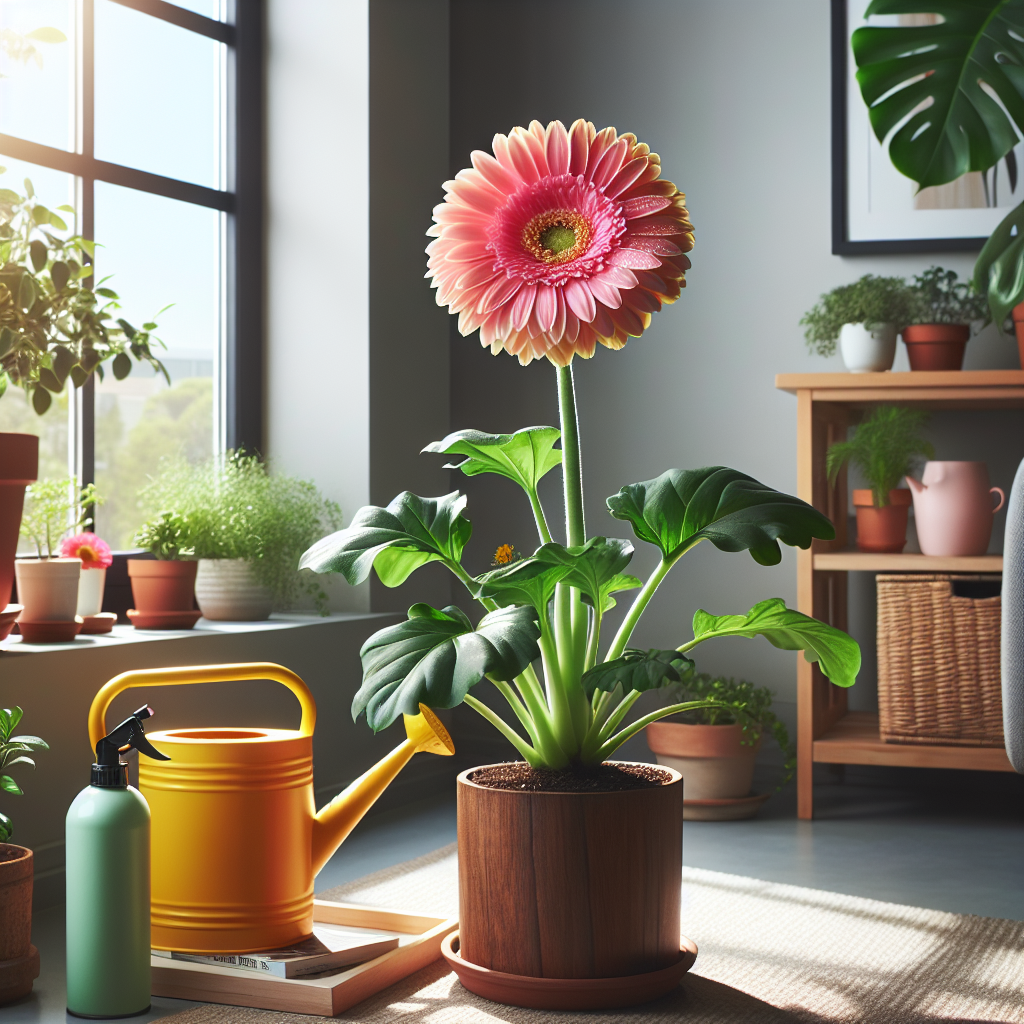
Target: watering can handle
<point>199,674</point>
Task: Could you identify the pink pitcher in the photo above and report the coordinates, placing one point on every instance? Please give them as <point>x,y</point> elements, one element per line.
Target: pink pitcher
<point>953,508</point>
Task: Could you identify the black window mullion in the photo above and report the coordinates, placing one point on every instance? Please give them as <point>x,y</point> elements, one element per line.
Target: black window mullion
<point>87,393</point>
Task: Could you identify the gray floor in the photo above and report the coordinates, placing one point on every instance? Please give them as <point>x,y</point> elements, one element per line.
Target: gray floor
<point>945,840</point>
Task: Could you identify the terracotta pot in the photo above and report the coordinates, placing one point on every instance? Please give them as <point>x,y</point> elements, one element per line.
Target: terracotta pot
<point>90,590</point>
<point>714,762</point>
<point>160,585</point>
<point>570,885</point>
<point>19,463</point>
<point>953,508</point>
<point>936,346</point>
<point>48,588</point>
<point>885,528</point>
<point>868,349</point>
<point>16,952</point>
<point>1018,329</point>
<point>227,591</point>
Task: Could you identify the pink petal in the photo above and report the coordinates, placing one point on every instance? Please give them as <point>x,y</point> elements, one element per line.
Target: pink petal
<point>557,329</point>
<point>610,164</point>
<point>580,299</point>
<point>522,307</point>
<point>627,318</point>
<point>467,232</point>
<point>658,246</point>
<point>644,206</point>
<point>618,277</point>
<point>634,259</point>
<point>546,307</point>
<point>500,148</point>
<point>603,324</point>
<point>498,294</point>
<point>572,325</point>
<point>479,274</point>
<point>557,148</point>
<point>605,293</point>
<point>496,175</point>
<point>626,177</point>
<point>464,252</point>
<point>535,139</point>
<point>602,141</point>
<point>579,147</point>
<point>656,226</point>
<point>480,196</point>
<point>522,159</point>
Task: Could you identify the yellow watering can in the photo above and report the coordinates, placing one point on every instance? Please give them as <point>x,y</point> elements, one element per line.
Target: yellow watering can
<point>236,841</point>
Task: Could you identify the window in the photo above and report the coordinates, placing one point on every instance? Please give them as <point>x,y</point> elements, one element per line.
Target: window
<point>146,119</point>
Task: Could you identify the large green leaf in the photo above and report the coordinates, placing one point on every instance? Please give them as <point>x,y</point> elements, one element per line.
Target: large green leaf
<point>436,657</point>
<point>528,582</point>
<point>637,670</point>
<point>837,654</point>
<point>732,510</point>
<point>395,540</point>
<point>946,66</point>
<point>524,456</point>
<point>999,270</point>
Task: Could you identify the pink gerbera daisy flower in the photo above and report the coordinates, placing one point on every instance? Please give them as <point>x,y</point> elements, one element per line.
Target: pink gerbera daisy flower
<point>94,552</point>
<point>560,240</point>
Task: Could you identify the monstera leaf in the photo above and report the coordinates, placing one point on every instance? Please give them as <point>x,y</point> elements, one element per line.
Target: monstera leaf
<point>732,510</point>
<point>395,540</point>
<point>944,70</point>
<point>524,456</point>
<point>999,271</point>
<point>637,670</point>
<point>836,653</point>
<point>436,657</point>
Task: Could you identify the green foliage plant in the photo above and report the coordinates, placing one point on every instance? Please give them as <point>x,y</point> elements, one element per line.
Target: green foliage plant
<point>871,300</point>
<point>234,507</point>
<point>165,536</point>
<point>883,447</point>
<point>14,750</point>
<point>940,298</point>
<point>960,82</point>
<point>739,703</point>
<point>549,607</point>
<point>54,325</point>
<point>55,509</point>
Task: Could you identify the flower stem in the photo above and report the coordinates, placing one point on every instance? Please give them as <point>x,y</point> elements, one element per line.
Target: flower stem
<point>633,616</point>
<point>572,472</point>
<point>540,518</point>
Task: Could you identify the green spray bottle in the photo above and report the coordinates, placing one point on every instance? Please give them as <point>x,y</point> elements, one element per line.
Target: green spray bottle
<point>108,946</point>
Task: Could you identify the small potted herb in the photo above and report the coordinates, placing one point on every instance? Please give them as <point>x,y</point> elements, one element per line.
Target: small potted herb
<point>714,748</point>
<point>163,587</point>
<point>48,583</point>
<point>19,965</point>
<point>884,448</point>
<point>944,310</point>
<point>864,317</point>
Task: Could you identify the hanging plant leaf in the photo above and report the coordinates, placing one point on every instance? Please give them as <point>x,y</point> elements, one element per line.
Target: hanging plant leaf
<point>837,654</point>
<point>734,511</point>
<point>999,270</point>
<point>944,70</point>
<point>525,456</point>
<point>436,657</point>
<point>41,400</point>
<point>121,366</point>
<point>395,541</point>
<point>38,254</point>
<point>60,273</point>
<point>637,670</point>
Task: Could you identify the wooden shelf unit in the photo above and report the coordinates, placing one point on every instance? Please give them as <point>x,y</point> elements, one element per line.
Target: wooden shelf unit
<point>827,404</point>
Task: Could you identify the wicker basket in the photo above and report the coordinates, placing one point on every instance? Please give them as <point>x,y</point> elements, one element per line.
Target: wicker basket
<point>938,661</point>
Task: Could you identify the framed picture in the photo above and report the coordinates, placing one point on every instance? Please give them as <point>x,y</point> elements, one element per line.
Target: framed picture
<point>875,209</point>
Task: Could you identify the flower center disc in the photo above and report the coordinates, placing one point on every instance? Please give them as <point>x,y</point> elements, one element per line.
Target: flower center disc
<point>557,236</point>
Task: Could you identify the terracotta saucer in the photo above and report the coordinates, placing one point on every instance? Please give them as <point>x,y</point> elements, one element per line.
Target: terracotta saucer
<point>731,809</point>
<point>44,632</point>
<point>16,976</point>
<point>103,622</point>
<point>567,993</point>
<point>163,620</point>
<point>7,617</point>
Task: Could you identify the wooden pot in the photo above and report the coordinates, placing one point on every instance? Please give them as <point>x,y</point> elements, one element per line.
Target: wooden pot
<point>570,885</point>
<point>19,463</point>
<point>885,528</point>
<point>936,346</point>
<point>18,959</point>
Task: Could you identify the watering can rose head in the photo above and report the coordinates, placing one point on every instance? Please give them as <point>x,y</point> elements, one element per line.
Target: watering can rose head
<point>560,240</point>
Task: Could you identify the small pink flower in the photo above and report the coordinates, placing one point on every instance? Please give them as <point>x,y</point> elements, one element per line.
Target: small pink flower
<point>560,240</point>
<point>94,552</point>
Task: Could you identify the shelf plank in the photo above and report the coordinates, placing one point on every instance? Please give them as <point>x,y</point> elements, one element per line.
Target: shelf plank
<point>866,561</point>
<point>855,740</point>
<point>912,380</point>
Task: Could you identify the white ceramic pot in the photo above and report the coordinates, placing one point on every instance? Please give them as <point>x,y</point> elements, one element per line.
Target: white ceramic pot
<point>90,590</point>
<point>227,591</point>
<point>48,588</point>
<point>868,348</point>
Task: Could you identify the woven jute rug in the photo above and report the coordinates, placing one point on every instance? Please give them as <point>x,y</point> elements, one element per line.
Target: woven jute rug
<point>768,954</point>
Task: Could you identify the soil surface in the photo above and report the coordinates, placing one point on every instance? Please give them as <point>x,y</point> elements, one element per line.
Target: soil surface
<point>604,778</point>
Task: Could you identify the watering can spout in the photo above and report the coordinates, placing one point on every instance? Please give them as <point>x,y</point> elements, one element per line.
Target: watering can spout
<point>337,819</point>
<point>916,486</point>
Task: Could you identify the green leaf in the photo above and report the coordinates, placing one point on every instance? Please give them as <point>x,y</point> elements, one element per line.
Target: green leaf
<point>436,657</point>
<point>47,35</point>
<point>38,254</point>
<point>6,830</point>
<point>149,327</point>
<point>41,400</point>
<point>999,270</point>
<point>596,568</point>
<point>40,214</point>
<point>963,128</point>
<point>122,365</point>
<point>60,273</point>
<point>837,654</point>
<point>78,375</point>
<point>66,208</point>
<point>124,325</point>
<point>637,670</point>
<point>21,760</point>
<point>9,719</point>
<point>734,511</point>
<point>26,292</point>
<point>8,785</point>
<point>32,742</point>
<point>88,245</point>
<point>530,582</point>
<point>63,360</point>
<point>395,540</point>
<point>49,380</point>
<point>29,190</point>
<point>524,457</point>
<point>108,293</point>
<point>8,196</point>
<point>8,339</point>
<point>57,222</point>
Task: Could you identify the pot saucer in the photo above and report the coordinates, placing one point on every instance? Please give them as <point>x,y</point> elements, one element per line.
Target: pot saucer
<point>17,975</point>
<point>567,993</point>
<point>7,617</point>
<point>49,632</point>
<point>731,809</point>
<point>103,622</point>
<point>163,620</point>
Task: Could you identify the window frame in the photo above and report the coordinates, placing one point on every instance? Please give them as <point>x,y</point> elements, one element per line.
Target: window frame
<point>239,405</point>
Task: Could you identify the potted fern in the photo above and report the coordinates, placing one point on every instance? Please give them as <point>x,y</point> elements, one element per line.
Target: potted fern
<point>864,317</point>
<point>884,448</point>
<point>944,312</point>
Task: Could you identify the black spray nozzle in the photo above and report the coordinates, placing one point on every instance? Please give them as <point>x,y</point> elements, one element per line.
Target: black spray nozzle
<point>129,733</point>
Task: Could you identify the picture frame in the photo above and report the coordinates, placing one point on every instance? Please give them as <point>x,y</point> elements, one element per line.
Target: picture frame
<point>875,209</point>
